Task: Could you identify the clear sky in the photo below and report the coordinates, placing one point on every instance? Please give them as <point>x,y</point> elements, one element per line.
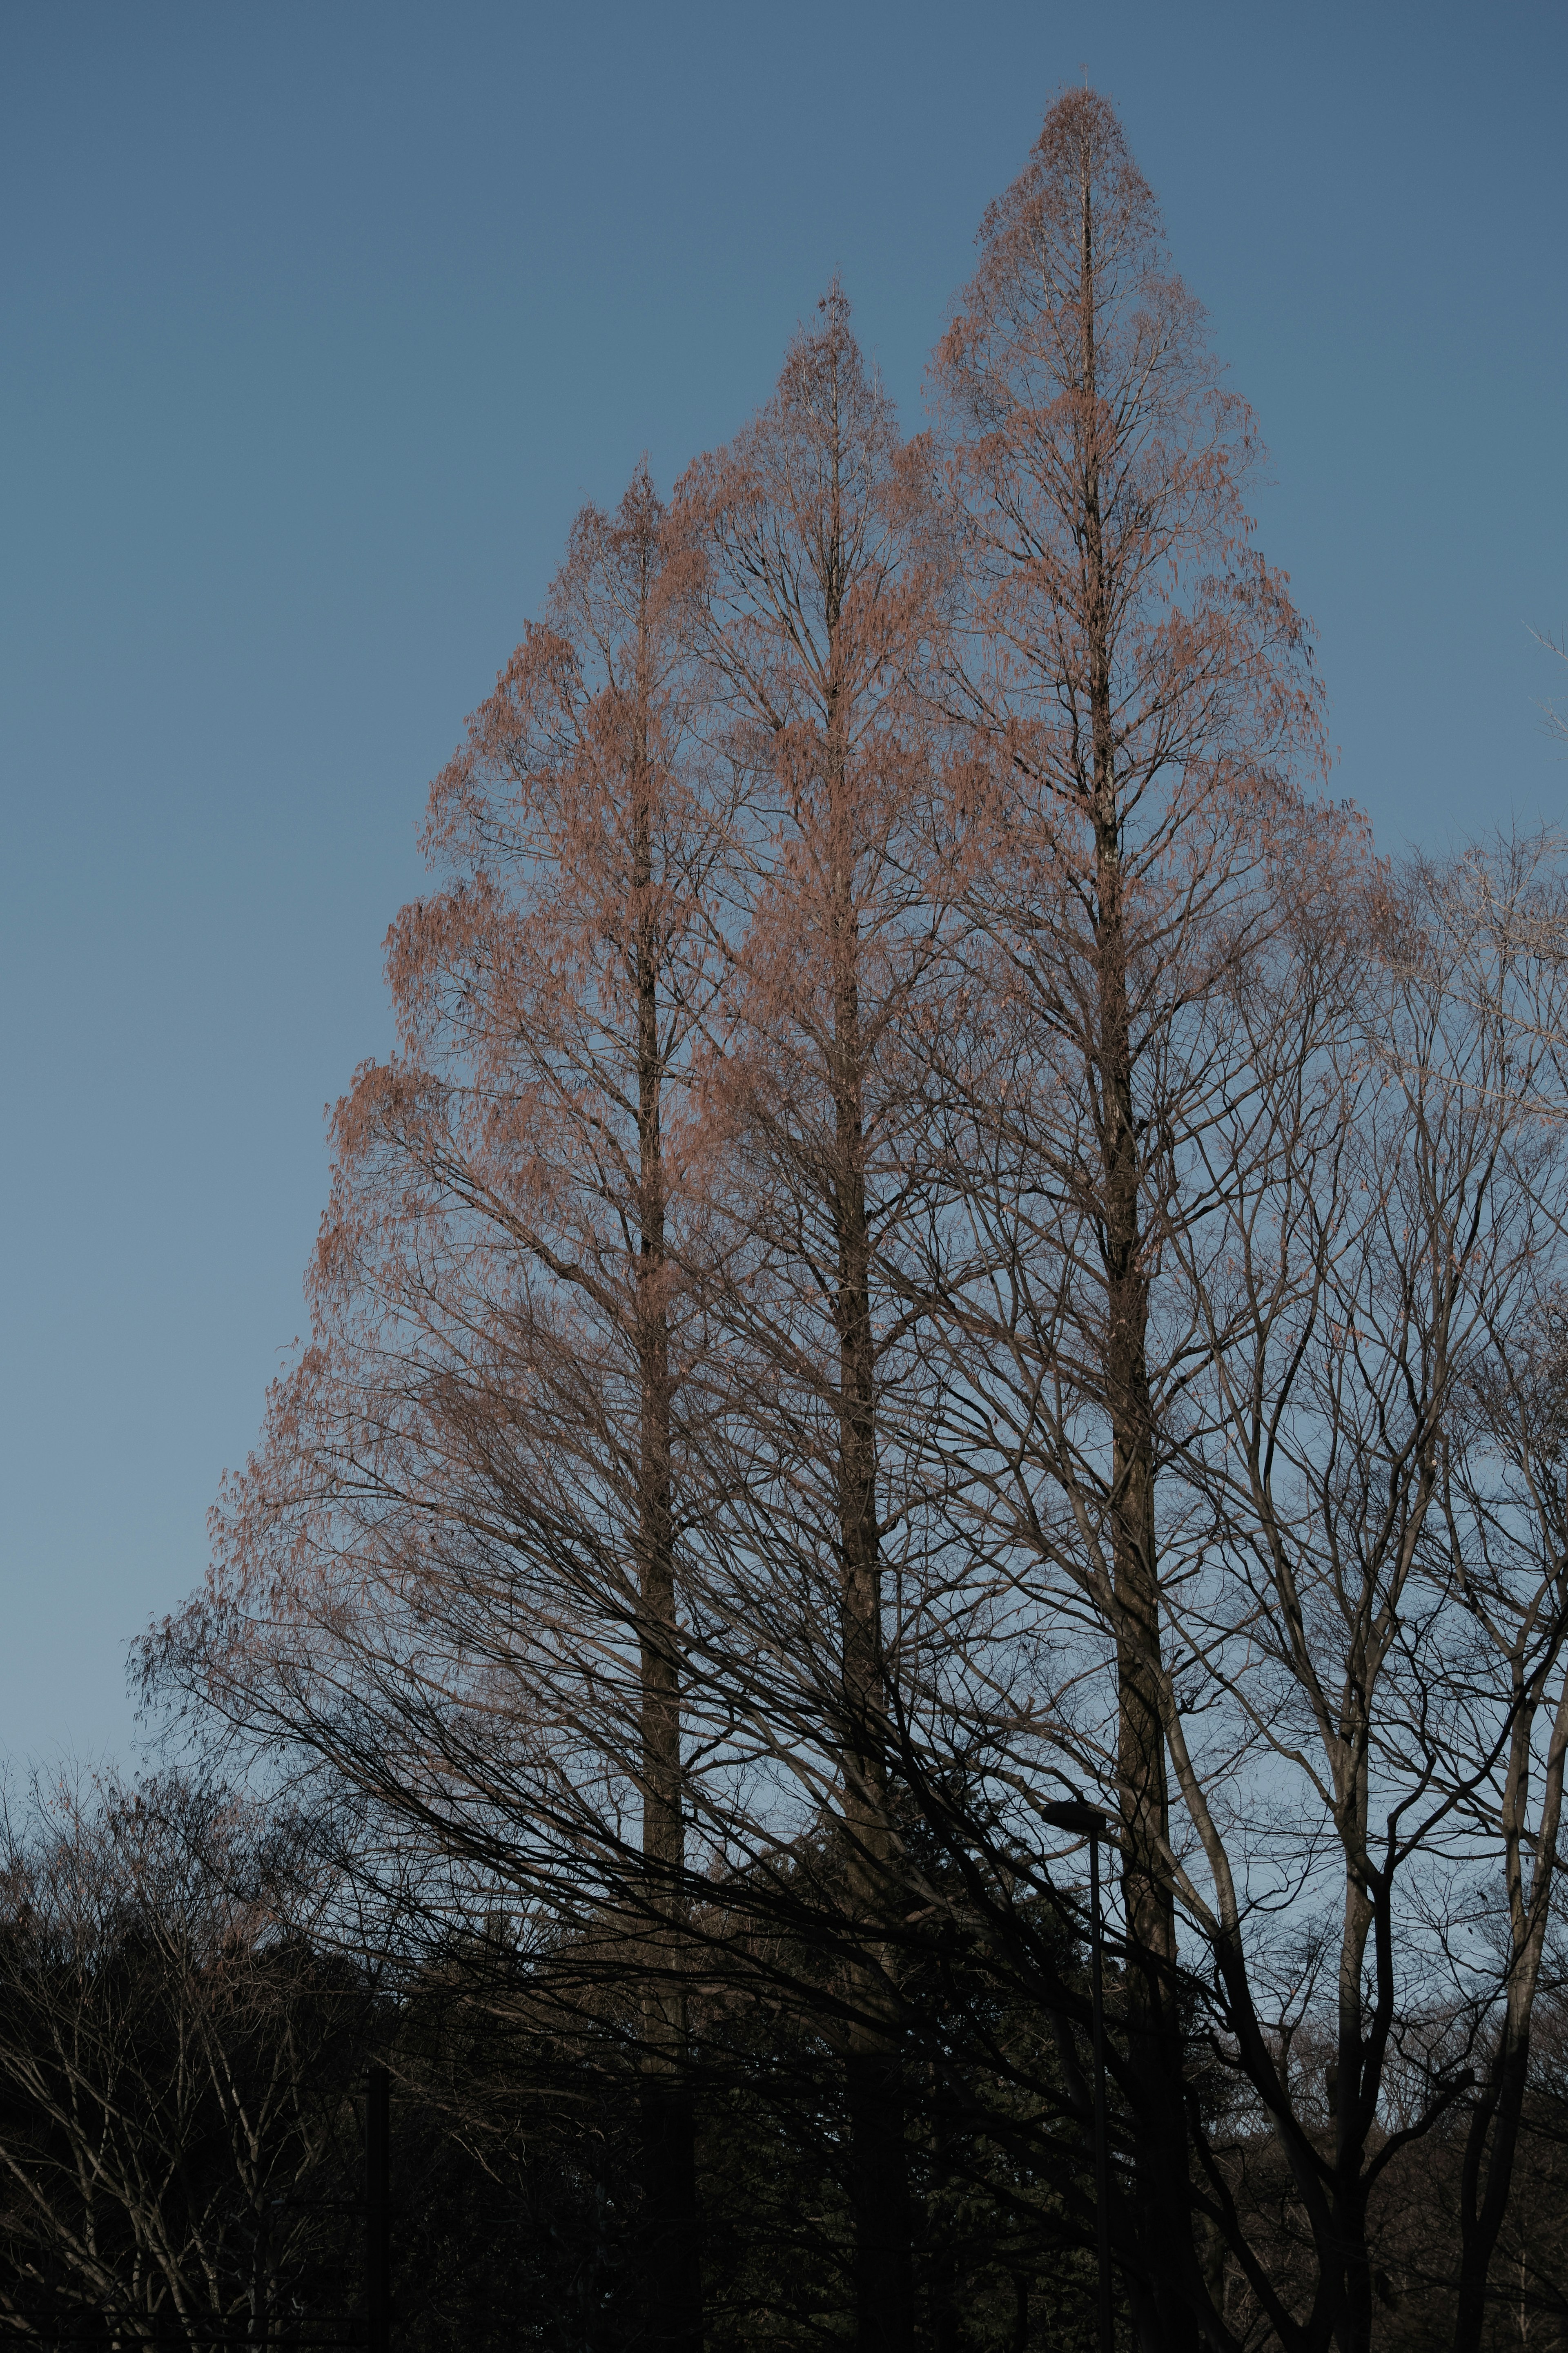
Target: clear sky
<point>317,324</point>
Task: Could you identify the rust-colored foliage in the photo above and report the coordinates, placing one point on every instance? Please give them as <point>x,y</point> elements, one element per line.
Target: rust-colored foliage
<point>1123,626</point>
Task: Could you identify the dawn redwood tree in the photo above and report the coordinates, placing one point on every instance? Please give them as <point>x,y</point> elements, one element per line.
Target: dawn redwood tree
<point>449,1573</point>
<point>1135,688</point>
<point>573,775</point>
<point>812,596</point>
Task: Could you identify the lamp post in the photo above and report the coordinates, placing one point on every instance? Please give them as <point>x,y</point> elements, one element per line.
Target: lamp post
<point>1084,1820</point>
<point>378,2232</point>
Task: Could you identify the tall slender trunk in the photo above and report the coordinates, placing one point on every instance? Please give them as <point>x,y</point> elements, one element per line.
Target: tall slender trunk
<point>873,2058</point>
<point>1152,2029</point>
<point>1491,2144</point>
<point>1352,2331</point>
<point>1492,2141</point>
<point>671,2275</point>
<point>873,2062</point>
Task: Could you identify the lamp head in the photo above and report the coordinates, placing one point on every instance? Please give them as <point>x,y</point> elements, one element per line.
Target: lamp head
<point>1077,1815</point>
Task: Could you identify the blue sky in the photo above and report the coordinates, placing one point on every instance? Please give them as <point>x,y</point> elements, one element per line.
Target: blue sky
<point>318,322</point>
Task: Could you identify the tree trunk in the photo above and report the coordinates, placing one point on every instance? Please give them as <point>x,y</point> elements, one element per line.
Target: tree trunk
<point>1490,2145</point>
<point>1496,2117</point>
<point>671,2273</point>
<point>874,2086</point>
<point>1153,2032</point>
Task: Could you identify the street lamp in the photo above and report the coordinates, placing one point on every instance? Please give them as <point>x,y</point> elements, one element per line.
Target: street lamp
<point>1081,1819</point>
<point>377,2233</point>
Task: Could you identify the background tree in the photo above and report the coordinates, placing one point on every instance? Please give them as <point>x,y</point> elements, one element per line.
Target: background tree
<point>1494,925</point>
<point>1361,1674</point>
<point>176,2072</point>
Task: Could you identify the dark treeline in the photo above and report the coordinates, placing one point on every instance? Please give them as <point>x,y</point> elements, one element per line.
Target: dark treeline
<point>182,2080</point>
<point>182,2083</point>
<point>943,1241</point>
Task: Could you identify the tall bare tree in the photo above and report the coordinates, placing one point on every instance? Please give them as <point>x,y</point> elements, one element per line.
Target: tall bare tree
<point>1362,1672</point>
